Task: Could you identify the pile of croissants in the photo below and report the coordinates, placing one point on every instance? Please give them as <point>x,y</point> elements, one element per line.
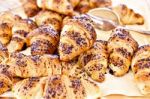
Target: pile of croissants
<point>65,59</point>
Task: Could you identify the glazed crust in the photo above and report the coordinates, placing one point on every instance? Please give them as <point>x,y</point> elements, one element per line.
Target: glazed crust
<point>141,68</point>
<point>49,17</point>
<point>77,36</point>
<point>94,61</point>
<point>128,16</point>
<point>43,40</point>
<point>121,47</point>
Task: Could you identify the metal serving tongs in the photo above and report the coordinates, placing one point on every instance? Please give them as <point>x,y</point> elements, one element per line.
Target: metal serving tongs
<point>106,20</point>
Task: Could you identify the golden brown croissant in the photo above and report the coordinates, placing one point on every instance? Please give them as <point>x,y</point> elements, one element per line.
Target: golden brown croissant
<point>77,36</point>
<point>121,47</point>
<point>30,7</point>
<point>128,16</point>
<point>100,3</point>
<point>60,6</point>
<point>141,68</point>
<point>70,67</point>
<point>5,83</point>
<point>5,33</point>
<point>31,88</point>
<point>94,61</point>
<point>83,6</point>
<point>74,3</point>
<point>6,80</point>
<point>20,31</point>
<point>3,53</point>
<point>43,40</point>
<point>9,18</point>
<point>49,17</point>
<point>24,66</point>
<point>56,87</point>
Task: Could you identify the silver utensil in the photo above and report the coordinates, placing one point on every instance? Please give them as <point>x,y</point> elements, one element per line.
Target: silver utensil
<point>105,19</point>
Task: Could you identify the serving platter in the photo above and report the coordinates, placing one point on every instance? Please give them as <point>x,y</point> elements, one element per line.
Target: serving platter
<point>112,87</point>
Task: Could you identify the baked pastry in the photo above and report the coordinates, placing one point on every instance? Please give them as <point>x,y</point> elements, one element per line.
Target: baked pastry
<point>83,6</point>
<point>24,66</point>
<point>20,31</point>
<point>121,47</point>
<point>78,35</point>
<point>5,78</point>
<point>60,6</point>
<point>56,87</point>
<point>5,83</point>
<point>49,17</point>
<point>5,33</point>
<point>43,40</point>
<point>70,67</point>
<point>3,53</point>
<point>94,61</point>
<point>9,18</point>
<point>127,15</point>
<point>31,88</point>
<point>141,69</point>
<point>100,3</point>
<point>74,3</point>
<point>30,7</point>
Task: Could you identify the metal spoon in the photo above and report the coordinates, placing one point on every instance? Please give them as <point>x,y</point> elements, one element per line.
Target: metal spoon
<point>105,19</point>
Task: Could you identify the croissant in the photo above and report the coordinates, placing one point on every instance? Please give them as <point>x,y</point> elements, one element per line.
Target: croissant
<point>49,17</point>
<point>20,31</point>
<point>121,47</point>
<point>30,88</point>
<point>5,83</point>
<point>94,61</point>
<point>3,53</point>
<point>30,7</point>
<point>24,66</point>
<point>5,78</point>
<point>100,3</point>
<point>70,67</point>
<point>56,87</point>
<point>141,68</point>
<point>128,16</point>
<point>9,18</point>
<point>5,33</point>
<point>83,6</point>
<point>77,36</point>
<point>60,6</point>
<point>43,40</point>
<point>74,3</point>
